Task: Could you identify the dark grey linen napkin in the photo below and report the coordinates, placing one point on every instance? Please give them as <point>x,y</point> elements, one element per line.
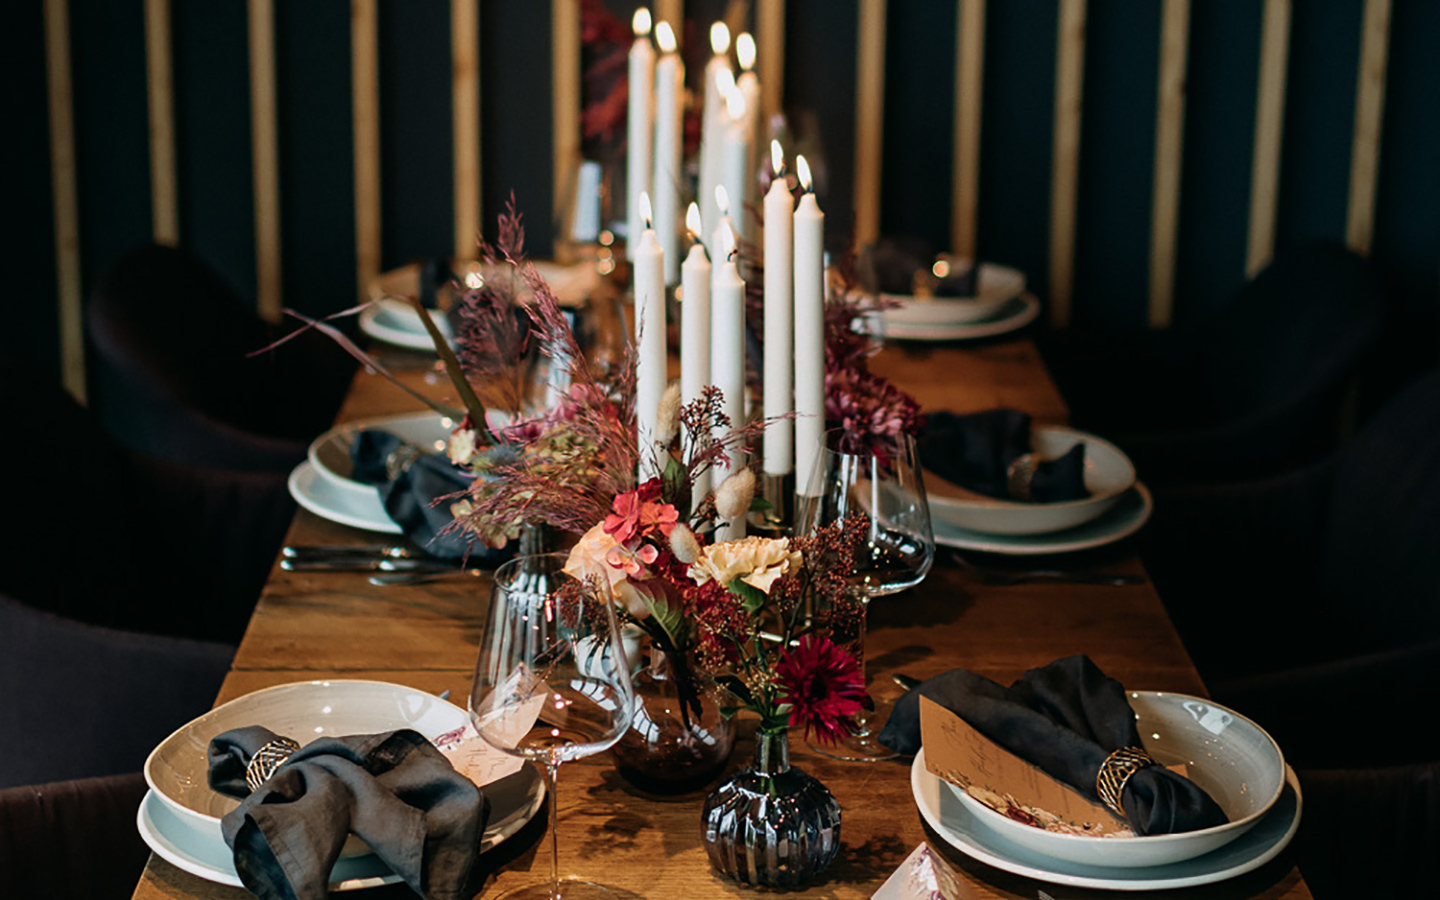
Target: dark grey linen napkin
<point>1065,718</point>
<point>410,497</point>
<point>975,451</point>
<point>394,790</point>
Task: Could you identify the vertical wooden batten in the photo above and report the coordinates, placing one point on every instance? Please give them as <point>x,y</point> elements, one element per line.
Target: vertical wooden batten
<point>365,103</point>
<point>265,153</point>
<point>969,75</point>
<point>1065,166</point>
<point>770,44</point>
<point>1369,109</point>
<point>465,68</point>
<point>1169,140</point>
<point>565,108</point>
<point>869,120</point>
<point>164,197</point>
<point>673,11</point>
<point>65,198</point>
<point>1269,123</point>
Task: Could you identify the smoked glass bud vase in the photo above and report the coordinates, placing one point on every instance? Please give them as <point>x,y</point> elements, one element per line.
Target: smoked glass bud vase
<point>771,825</point>
<point>678,741</point>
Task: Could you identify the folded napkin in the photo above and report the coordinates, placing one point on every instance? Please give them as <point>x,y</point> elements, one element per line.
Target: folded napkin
<point>395,791</point>
<point>976,451</point>
<point>409,497</point>
<point>1065,718</point>
<point>891,263</point>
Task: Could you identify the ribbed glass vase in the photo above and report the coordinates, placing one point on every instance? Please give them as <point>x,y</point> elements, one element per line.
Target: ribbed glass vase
<point>770,824</point>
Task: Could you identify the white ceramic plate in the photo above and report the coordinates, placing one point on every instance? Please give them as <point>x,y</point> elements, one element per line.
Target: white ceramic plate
<point>396,322</point>
<point>956,825</point>
<point>1013,314</point>
<point>329,454</point>
<point>325,500</point>
<point>1228,756</point>
<point>996,285</point>
<point>1108,474</point>
<point>181,815</point>
<point>1125,518</point>
<point>572,284</point>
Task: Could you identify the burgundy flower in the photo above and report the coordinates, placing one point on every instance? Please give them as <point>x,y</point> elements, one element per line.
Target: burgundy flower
<point>824,687</point>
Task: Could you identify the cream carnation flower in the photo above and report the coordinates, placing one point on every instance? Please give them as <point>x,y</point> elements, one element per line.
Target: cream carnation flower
<point>756,561</point>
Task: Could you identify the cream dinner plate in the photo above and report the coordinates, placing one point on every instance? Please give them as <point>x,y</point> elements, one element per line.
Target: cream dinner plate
<point>960,828</point>
<point>323,498</point>
<point>396,322</point>
<point>330,452</point>
<point>1011,316</point>
<point>1123,519</point>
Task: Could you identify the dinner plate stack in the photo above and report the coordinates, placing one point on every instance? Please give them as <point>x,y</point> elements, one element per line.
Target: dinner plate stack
<point>1117,504</point>
<point>1232,758</point>
<point>180,816</point>
<point>999,305</point>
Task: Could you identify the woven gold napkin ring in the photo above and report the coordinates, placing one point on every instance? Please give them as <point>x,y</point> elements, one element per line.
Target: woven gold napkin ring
<point>1115,773</point>
<point>1018,476</point>
<point>266,760</point>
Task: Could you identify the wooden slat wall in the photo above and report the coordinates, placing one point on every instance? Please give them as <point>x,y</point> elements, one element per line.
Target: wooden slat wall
<point>769,17</point>
<point>465,56</point>
<point>1269,114</point>
<point>969,74</point>
<point>1065,174</point>
<point>265,150</point>
<point>65,196</point>
<point>1369,105</point>
<point>165,199</point>
<point>1169,129</point>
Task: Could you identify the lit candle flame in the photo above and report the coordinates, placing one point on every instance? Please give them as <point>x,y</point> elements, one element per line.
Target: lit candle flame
<point>720,38</point>
<point>745,50</point>
<point>640,22</point>
<point>665,37</point>
<point>802,169</point>
<point>727,241</point>
<point>722,199</point>
<point>474,280</point>
<point>692,220</point>
<point>646,212</point>
<point>735,104</point>
<point>777,159</point>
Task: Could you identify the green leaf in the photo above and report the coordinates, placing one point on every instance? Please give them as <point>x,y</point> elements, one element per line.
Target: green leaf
<point>760,504</point>
<point>736,687</point>
<point>673,480</point>
<point>729,712</point>
<point>752,599</point>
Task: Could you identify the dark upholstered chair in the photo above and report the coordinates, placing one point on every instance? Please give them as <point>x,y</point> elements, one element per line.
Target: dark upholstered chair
<point>171,376</point>
<point>108,536</point>
<point>1311,603</point>
<point>83,706</point>
<point>72,840</point>
<point>84,701</point>
<point>1255,388</point>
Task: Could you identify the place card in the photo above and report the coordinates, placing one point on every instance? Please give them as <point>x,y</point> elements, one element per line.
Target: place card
<point>955,752</point>
<point>924,875</point>
<point>475,758</point>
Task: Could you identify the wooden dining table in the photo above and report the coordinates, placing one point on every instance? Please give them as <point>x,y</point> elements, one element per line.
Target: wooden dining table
<point>309,626</point>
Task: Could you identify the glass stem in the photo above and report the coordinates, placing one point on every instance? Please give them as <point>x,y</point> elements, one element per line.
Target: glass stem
<point>552,771</point>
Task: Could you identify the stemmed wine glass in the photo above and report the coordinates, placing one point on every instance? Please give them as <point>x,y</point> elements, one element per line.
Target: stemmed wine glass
<point>551,683</point>
<point>877,478</point>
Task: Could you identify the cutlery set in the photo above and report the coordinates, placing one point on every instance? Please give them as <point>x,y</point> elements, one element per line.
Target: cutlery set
<point>391,565</point>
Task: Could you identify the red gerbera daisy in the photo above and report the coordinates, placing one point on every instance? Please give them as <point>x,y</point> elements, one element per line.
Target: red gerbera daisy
<point>824,687</point>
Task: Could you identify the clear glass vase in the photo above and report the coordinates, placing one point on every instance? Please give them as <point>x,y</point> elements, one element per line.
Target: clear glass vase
<point>678,740</point>
<point>770,824</point>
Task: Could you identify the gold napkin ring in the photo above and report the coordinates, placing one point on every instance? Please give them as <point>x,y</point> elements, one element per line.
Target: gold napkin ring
<point>1018,476</point>
<point>1115,773</point>
<point>266,760</point>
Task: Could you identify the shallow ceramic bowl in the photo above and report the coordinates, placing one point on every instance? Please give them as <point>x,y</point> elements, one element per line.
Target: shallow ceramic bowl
<point>1108,474</point>
<point>996,286</point>
<point>330,452</point>
<point>1226,754</point>
<point>176,770</point>
<point>572,284</point>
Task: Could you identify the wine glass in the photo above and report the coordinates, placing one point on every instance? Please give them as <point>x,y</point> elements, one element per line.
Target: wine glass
<point>551,683</point>
<point>877,478</point>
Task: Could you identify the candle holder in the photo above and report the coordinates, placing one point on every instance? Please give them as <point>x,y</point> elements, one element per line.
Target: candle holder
<point>779,519</point>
